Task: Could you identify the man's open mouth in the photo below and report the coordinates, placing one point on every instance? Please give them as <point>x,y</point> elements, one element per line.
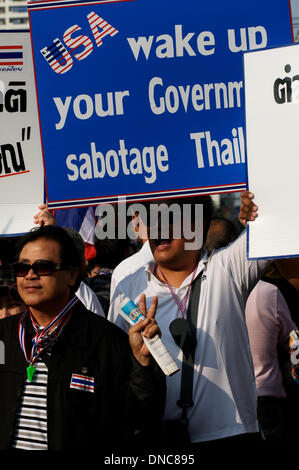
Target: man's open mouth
<point>163,241</point>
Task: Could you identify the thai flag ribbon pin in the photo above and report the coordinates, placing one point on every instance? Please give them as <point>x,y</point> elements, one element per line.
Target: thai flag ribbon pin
<point>82,382</point>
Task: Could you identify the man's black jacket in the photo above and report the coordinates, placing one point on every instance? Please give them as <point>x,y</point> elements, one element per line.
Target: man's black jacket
<point>92,346</point>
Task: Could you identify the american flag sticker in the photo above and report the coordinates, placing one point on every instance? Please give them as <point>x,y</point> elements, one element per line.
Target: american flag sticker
<point>81,382</point>
<point>11,55</point>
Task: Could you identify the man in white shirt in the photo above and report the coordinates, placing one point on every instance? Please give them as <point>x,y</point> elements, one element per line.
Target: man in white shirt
<point>224,393</point>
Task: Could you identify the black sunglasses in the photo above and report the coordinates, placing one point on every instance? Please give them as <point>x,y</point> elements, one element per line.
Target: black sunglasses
<point>40,267</point>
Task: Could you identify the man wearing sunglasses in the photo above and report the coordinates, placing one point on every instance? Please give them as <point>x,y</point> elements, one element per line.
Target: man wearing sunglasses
<point>85,294</point>
<point>71,379</point>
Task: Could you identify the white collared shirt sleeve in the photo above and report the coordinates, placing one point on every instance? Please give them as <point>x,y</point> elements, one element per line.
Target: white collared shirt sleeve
<point>244,273</point>
<point>113,314</point>
<point>89,299</point>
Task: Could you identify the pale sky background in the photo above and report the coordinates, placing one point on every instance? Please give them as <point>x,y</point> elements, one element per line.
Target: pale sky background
<point>295,14</point>
<point>295,7</point>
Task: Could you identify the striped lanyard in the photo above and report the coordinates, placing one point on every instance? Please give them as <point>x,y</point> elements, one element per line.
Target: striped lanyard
<point>44,338</point>
<point>181,305</point>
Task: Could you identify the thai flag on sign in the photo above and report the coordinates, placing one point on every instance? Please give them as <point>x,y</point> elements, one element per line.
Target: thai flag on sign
<point>81,382</point>
<point>11,55</point>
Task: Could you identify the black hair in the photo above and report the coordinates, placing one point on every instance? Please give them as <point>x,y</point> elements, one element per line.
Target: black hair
<point>69,253</point>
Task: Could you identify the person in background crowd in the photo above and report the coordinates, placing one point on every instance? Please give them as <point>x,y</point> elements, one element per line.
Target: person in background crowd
<point>93,268</point>
<point>84,390</point>
<point>269,324</point>
<point>271,314</point>
<point>10,302</point>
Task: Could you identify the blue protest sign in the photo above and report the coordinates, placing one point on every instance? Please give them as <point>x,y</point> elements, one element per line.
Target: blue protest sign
<point>145,98</point>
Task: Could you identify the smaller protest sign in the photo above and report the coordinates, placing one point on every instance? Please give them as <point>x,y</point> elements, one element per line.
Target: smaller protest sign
<point>21,165</point>
<point>272,107</point>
